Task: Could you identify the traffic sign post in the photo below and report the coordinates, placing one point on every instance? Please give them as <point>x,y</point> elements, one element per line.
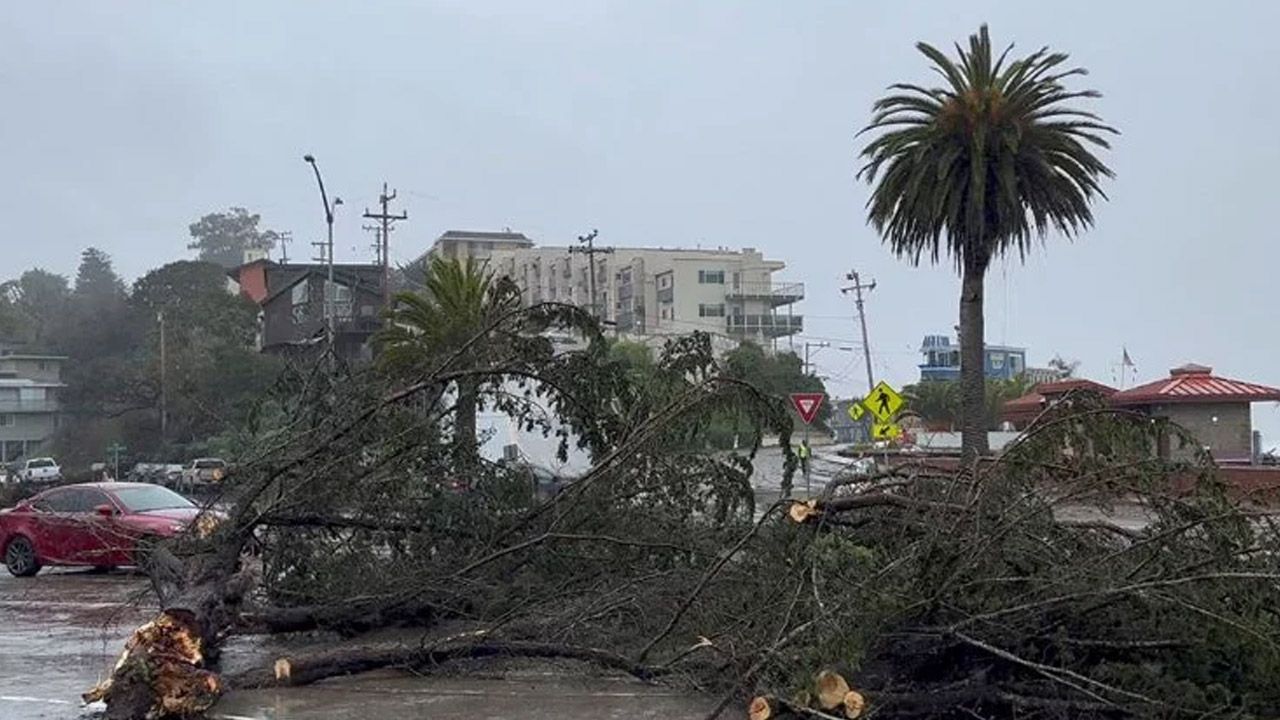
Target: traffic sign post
<point>115,449</point>
<point>886,431</point>
<point>807,405</point>
<point>883,402</point>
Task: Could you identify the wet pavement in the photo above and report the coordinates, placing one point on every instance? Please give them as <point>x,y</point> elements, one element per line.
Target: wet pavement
<point>61,632</point>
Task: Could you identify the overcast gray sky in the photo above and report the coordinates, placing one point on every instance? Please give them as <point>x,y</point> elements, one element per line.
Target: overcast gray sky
<point>721,123</point>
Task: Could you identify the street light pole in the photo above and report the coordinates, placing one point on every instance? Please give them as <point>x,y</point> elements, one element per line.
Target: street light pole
<point>328,219</point>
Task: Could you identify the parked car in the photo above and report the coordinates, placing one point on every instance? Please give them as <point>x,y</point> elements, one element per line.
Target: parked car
<point>203,472</point>
<point>100,525</point>
<point>34,470</point>
<point>167,474</point>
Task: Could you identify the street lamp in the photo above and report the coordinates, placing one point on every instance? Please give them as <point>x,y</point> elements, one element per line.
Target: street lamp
<point>328,219</point>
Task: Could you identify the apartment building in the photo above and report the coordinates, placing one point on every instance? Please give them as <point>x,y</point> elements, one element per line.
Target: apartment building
<point>29,411</point>
<point>648,292</point>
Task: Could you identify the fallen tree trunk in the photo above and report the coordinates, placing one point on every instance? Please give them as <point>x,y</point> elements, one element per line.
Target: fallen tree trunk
<point>310,668</point>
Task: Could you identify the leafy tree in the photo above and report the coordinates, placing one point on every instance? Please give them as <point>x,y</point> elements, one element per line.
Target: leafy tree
<point>451,316</point>
<point>223,238</point>
<point>938,402</point>
<point>193,296</point>
<point>212,372</point>
<point>1065,368</point>
<point>984,165</point>
<point>32,306</point>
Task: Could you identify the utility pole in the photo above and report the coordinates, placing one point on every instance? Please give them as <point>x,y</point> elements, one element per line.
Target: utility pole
<point>286,237</point>
<point>385,218</point>
<point>807,346</point>
<point>164,392</point>
<point>590,250</point>
<point>856,288</point>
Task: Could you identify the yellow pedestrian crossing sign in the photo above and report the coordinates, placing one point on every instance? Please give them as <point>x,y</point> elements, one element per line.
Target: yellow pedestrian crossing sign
<point>856,411</point>
<point>883,402</point>
<point>885,431</point>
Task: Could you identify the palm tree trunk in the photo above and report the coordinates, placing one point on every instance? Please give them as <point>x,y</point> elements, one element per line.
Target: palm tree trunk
<point>973,429</point>
<point>464,418</point>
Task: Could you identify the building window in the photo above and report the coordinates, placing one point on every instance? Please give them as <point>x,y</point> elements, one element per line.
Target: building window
<point>710,310</point>
<point>664,281</point>
<point>997,361</point>
<point>666,313</point>
<point>6,420</point>
<point>342,307</point>
<point>43,365</point>
<point>711,277</point>
<point>1015,363</point>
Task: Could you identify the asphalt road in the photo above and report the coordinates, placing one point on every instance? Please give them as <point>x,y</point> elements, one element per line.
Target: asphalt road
<point>61,631</point>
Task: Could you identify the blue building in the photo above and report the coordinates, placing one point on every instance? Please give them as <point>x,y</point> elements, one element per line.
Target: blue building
<point>942,360</point>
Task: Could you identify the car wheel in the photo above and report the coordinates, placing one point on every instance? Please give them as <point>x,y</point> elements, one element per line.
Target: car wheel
<point>20,558</point>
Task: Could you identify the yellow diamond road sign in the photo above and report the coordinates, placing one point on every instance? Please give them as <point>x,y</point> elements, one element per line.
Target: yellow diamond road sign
<point>885,431</point>
<point>883,402</point>
<point>856,411</point>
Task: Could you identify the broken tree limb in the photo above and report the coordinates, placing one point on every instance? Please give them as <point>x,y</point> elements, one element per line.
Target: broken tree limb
<point>306,669</point>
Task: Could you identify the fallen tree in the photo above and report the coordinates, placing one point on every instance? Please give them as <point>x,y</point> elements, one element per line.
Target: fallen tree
<point>914,593</point>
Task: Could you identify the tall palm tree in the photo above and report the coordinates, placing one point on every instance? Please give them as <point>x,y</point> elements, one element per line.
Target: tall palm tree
<point>459,301</point>
<point>986,164</point>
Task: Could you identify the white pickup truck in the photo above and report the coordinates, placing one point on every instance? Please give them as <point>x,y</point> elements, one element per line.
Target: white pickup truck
<point>37,470</point>
<point>203,472</point>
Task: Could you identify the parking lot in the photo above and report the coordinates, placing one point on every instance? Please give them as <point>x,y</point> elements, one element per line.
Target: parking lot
<point>61,631</point>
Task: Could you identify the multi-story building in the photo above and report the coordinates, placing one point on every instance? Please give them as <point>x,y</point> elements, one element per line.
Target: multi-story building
<point>29,410</point>
<point>650,292</point>
<point>464,244</point>
<point>942,360</point>
<point>292,299</point>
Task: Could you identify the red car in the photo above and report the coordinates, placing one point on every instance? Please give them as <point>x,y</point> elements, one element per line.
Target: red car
<point>91,524</point>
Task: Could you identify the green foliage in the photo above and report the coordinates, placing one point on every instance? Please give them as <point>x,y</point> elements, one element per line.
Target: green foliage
<point>938,402</point>
<point>112,375</point>
<point>32,306</point>
<point>452,321</point>
<point>987,164</point>
<point>223,238</point>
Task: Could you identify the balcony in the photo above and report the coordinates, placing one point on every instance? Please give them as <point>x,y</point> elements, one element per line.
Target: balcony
<point>766,325</point>
<point>28,406</point>
<point>774,294</point>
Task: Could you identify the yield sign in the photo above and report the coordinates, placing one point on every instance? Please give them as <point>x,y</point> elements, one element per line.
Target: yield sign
<point>807,405</point>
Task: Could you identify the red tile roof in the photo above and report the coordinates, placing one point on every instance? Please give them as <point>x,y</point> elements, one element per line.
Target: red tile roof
<point>1034,401</point>
<point>1194,384</point>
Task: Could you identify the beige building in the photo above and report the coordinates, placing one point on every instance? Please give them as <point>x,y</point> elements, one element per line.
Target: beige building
<point>29,409</point>
<point>648,293</point>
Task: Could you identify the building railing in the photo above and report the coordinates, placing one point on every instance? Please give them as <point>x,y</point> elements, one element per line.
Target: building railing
<point>777,293</point>
<point>28,406</point>
<point>765,324</point>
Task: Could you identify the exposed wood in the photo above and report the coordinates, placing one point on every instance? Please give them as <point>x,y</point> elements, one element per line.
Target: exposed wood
<point>760,708</point>
<point>831,688</point>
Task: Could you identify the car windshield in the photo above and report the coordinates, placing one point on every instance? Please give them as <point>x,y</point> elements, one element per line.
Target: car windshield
<point>42,463</point>
<point>145,499</point>
<point>208,464</point>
